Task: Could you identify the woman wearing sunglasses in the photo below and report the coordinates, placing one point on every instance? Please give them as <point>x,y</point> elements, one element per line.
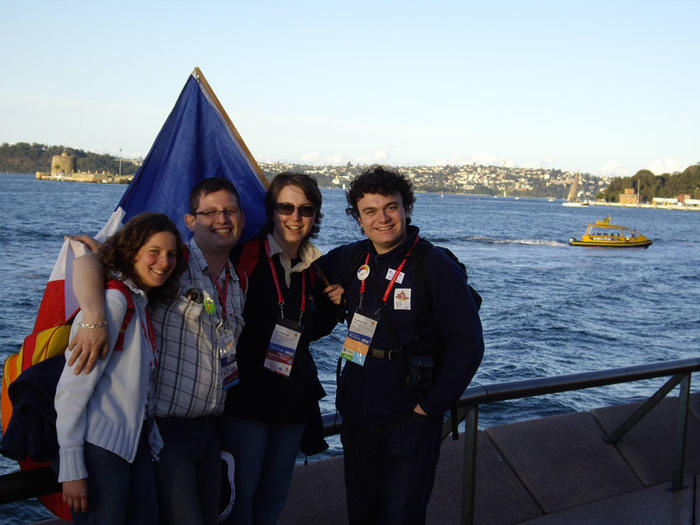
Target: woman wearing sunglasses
<point>287,307</point>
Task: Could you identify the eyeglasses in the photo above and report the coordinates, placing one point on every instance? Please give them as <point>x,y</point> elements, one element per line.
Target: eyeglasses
<point>229,213</point>
<point>286,208</point>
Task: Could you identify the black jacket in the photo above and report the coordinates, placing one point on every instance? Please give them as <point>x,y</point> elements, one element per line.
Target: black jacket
<point>376,393</point>
<point>262,395</point>
<point>31,432</point>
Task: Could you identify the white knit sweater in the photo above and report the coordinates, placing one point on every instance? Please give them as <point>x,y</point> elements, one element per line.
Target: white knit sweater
<point>106,407</point>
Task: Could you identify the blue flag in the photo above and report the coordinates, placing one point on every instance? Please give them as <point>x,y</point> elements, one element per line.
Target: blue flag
<point>197,141</point>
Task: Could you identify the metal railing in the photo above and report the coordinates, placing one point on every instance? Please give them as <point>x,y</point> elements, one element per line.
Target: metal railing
<point>467,410</point>
<point>22,485</point>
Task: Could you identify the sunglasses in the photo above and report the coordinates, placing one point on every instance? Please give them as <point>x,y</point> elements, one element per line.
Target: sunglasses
<point>286,208</point>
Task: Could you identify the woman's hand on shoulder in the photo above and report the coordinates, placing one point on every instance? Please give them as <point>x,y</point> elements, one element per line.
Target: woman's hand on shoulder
<point>86,346</point>
<point>75,495</point>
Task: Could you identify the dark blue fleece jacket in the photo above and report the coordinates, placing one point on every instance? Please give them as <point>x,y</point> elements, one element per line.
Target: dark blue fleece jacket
<point>376,393</point>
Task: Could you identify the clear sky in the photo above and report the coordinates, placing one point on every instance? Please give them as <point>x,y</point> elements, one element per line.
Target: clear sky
<point>606,87</point>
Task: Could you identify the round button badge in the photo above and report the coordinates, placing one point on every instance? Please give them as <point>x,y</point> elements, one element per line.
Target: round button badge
<point>363,272</point>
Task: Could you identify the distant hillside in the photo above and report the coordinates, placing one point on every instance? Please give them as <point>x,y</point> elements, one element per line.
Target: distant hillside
<point>650,185</point>
<point>472,178</point>
<point>30,158</point>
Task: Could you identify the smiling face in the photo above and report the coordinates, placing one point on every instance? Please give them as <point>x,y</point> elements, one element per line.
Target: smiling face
<point>383,219</point>
<point>218,233</point>
<point>156,260</point>
<point>290,230</point>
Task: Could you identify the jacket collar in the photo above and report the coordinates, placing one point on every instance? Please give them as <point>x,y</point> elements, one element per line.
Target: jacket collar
<point>131,285</point>
<point>197,260</point>
<point>308,253</point>
<point>401,249</point>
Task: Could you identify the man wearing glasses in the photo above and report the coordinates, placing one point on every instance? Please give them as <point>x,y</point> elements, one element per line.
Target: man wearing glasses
<point>196,342</point>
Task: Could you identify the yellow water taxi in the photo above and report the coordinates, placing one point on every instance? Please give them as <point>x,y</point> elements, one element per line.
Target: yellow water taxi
<point>602,234</point>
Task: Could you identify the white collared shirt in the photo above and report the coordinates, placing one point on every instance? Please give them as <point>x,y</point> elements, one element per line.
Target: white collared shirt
<point>308,253</point>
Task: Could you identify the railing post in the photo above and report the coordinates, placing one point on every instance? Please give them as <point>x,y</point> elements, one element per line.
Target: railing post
<point>471,421</point>
<point>681,432</point>
<point>644,409</point>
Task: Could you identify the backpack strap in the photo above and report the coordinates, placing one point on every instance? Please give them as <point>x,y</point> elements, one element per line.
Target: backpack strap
<point>357,257</point>
<point>248,260</point>
<point>114,284</point>
<point>420,276</point>
<point>242,280</point>
<point>311,272</point>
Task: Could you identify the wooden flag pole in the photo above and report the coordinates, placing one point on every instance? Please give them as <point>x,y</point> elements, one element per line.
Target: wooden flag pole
<point>197,73</point>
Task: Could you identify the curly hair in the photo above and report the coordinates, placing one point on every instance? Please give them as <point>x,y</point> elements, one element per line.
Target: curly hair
<point>381,181</point>
<point>306,184</point>
<point>119,251</point>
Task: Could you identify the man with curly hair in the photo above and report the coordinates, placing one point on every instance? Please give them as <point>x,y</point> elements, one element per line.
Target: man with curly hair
<point>413,345</point>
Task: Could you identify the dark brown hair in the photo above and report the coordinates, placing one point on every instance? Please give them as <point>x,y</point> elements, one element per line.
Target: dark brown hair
<point>306,184</point>
<point>211,185</point>
<point>119,251</point>
<point>381,181</point>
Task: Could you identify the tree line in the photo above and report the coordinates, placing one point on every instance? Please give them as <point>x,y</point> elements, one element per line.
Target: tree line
<point>650,185</point>
<point>23,157</point>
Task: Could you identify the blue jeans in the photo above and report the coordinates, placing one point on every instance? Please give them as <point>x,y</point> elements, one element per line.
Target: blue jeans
<point>389,470</point>
<point>265,455</point>
<point>189,471</point>
<point>119,492</point>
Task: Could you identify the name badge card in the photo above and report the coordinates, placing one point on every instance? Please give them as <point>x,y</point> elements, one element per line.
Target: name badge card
<point>283,346</point>
<point>229,370</point>
<point>359,337</point>
<point>227,354</point>
<point>390,275</point>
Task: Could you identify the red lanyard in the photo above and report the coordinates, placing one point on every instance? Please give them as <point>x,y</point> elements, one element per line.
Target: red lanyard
<point>393,279</point>
<point>280,297</point>
<point>222,296</point>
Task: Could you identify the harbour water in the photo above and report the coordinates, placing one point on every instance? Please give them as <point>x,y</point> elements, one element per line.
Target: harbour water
<point>549,309</point>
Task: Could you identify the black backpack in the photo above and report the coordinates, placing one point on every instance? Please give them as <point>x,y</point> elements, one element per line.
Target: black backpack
<point>417,259</point>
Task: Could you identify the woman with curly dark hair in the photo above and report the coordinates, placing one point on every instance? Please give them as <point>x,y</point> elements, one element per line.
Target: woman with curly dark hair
<point>103,426</point>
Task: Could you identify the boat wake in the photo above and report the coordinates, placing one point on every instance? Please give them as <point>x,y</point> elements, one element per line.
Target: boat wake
<point>526,242</point>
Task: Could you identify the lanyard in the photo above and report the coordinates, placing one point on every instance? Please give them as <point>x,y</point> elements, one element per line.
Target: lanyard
<point>393,279</point>
<point>280,297</point>
<point>222,296</point>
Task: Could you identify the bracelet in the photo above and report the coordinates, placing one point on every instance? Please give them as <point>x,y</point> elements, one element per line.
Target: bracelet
<point>93,325</point>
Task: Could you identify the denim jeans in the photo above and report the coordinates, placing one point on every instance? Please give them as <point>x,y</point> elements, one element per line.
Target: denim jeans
<point>189,471</point>
<point>390,470</point>
<point>265,455</point>
<point>119,492</point>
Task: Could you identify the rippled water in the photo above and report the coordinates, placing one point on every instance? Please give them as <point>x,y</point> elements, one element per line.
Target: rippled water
<point>549,309</point>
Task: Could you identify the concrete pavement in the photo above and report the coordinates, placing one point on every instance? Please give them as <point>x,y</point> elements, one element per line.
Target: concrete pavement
<point>544,471</point>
